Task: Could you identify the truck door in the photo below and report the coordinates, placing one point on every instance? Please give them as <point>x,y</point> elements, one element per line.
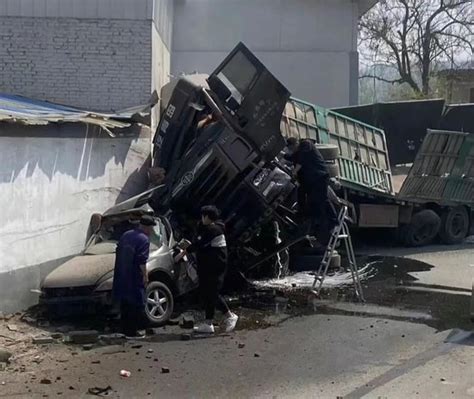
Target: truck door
<point>253,97</point>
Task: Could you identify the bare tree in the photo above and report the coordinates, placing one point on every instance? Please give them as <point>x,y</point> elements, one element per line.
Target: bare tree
<point>416,36</point>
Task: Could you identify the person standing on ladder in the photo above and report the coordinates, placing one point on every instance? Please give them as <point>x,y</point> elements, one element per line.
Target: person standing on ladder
<point>313,178</point>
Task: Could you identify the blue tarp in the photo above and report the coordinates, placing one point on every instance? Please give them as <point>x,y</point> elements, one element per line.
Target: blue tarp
<point>28,111</point>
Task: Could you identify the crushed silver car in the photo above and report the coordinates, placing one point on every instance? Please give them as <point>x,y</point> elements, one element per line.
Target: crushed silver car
<point>87,278</point>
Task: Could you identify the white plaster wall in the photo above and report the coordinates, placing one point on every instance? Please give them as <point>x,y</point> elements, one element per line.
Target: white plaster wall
<point>161,39</point>
<point>50,186</point>
<point>52,178</point>
<point>321,78</point>
<point>310,45</point>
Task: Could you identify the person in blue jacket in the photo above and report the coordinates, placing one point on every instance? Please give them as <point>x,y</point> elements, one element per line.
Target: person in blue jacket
<point>130,276</point>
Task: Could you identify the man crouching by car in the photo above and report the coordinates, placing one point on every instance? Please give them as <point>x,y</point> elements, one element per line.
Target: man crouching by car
<point>130,276</point>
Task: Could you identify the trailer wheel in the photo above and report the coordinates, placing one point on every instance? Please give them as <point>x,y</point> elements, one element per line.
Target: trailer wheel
<point>328,151</point>
<point>422,230</point>
<point>454,225</point>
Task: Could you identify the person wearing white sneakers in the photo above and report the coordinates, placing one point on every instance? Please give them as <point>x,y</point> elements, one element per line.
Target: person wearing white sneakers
<point>211,253</point>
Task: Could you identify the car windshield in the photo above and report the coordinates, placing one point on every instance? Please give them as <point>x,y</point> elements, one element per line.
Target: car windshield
<point>112,230</point>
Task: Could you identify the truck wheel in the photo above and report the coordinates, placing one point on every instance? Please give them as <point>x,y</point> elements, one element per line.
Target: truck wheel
<point>159,303</point>
<point>333,169</point>
<point>328,151</point>
<point>422,230</point>
<point>454,225</point>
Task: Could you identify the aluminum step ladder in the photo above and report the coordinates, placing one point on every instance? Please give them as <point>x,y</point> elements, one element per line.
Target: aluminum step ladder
<point>340,232</point>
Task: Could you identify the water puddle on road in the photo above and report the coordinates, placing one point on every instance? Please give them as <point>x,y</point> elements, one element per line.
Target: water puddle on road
<point>390,290</point>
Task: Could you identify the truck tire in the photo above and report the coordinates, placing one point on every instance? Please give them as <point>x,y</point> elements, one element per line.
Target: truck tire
<point>328,151</point>
<point>422,230</point>
<point>454,225</point>
<point>333,169</point>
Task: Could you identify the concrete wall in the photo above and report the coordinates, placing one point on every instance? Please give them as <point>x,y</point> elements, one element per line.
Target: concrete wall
<point>91,63</point>
<point>161,38</point>
<point>52,178</point>
<point>311,45</point>
<point>114,9</point>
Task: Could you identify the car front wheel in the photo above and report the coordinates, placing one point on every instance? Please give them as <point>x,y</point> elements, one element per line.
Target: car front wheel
<point>159,303</point>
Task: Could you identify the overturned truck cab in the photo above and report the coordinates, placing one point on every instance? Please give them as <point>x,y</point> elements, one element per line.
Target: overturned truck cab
<point>217,143</point>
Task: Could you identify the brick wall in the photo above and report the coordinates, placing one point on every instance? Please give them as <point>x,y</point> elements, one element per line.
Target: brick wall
<point>93,63</point>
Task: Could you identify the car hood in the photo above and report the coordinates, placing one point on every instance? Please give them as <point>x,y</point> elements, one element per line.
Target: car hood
<point>83,270</point>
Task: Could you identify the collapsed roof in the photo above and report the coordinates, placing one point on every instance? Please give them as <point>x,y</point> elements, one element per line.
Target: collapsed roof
<point>27,111</point>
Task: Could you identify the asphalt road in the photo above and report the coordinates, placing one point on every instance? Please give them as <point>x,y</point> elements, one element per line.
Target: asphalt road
<point>399,345</point>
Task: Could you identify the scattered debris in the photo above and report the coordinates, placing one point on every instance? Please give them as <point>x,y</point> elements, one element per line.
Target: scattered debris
<point>138,346</point>
<point>43,340</point>
<point>46,381</point>
<point>37,359</point>
<point>12,327</point>
<point>150,350</point>
<point>241,345</point>
<point>256,355</point>
<point>98,391</point>
<point>174,322</point>
<point>112,339</point>
<point>165,370</point>
<point>84,337</point>
<point>64,329</point>
<point>29,319</point>
<point>185,337</point>
<point>125,373</point>
<point>95,362</point>
<point>187,322</point>
<point>5,356</point>
<point>9,338</point>
<point>87,347</point>
<point>71,388</point>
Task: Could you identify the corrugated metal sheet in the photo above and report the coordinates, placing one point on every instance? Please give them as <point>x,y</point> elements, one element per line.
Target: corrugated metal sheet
<point>443,171</point>
<point>18,109</point>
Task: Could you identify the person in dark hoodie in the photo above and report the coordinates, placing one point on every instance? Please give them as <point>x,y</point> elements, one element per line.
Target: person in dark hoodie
<point>211,253</point>
<point>313,177</point>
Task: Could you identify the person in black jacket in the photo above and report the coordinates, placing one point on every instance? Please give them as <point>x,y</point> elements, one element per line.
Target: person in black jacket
<point>211,253</point>
<point>313,177</point>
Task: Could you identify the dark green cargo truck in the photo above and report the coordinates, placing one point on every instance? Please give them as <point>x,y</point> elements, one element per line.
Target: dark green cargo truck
<point>437,197</point>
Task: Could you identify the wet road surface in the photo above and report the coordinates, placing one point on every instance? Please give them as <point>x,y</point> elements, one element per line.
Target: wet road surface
<point>411,339</point>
